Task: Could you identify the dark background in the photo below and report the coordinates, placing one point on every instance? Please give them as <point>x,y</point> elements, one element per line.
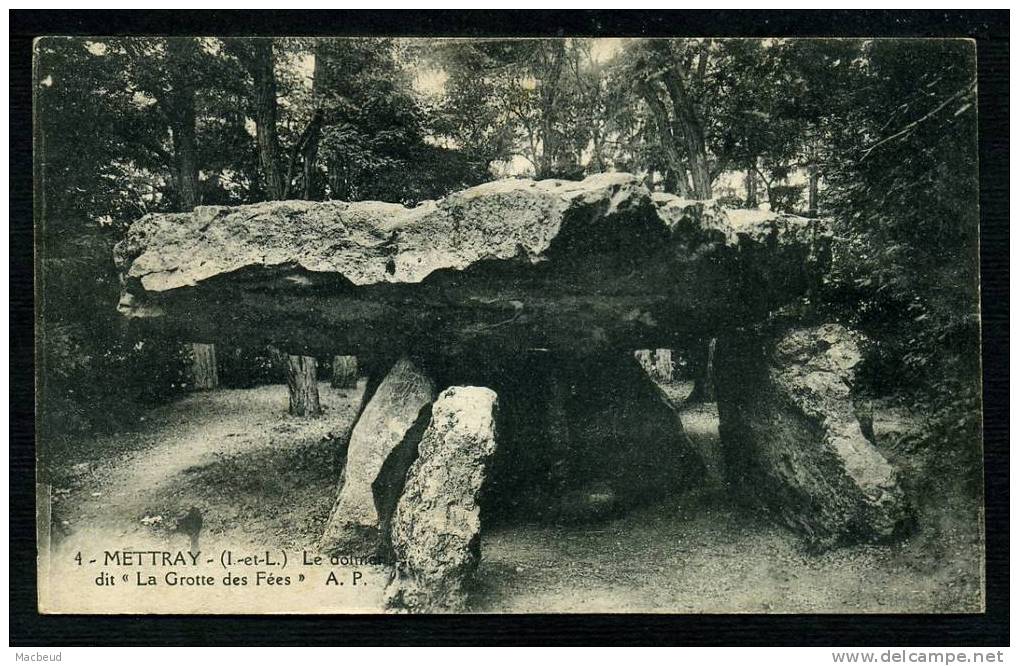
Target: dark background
<point>988,28</point>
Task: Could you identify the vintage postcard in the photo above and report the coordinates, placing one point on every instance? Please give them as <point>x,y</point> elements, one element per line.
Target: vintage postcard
<point>423,325</point>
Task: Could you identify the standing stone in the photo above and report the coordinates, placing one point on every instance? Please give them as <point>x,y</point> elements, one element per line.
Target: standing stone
<point>791,437</point>
<point>302,385</point>
<point>204,373</point>
<point>436,529</point>
<point>344,371</point>
<point>382,446</point>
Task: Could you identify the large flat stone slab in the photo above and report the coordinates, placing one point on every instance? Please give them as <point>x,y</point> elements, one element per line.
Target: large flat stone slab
<point>579,266</point>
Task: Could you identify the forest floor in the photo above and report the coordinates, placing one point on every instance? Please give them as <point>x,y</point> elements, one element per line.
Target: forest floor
<point>264,480</point>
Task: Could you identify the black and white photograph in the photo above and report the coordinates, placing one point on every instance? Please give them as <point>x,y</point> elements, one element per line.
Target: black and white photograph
<point>507,325</point>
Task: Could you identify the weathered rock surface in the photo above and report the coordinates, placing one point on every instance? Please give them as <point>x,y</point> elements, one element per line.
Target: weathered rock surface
<point>381,449</point>
<point>577,266</point>
<point>693,217</point>
<point>436,529</point>
<point>371,242</point>
<point>791,437</point>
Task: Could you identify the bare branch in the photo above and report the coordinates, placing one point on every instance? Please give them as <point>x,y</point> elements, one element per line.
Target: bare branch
<point>916,123</point>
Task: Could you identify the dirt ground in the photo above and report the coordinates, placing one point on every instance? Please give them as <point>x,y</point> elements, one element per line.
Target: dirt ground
<point>263,479</point>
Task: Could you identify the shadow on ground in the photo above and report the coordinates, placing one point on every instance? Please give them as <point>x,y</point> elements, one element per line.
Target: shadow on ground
<point>262,477</point>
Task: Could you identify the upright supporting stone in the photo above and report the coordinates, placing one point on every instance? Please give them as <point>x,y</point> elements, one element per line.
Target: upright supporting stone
<point>302,384</point>
<point>204,373</point>
<point>436,529</point>
<point>790,436</point>
<point>382,447</point>
<point>344,371</point>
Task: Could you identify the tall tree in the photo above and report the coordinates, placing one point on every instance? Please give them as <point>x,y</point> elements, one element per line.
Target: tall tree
<point>260,61</point>
<point>180,110</point>
<point>670,77</point>
<point>519,98</point>
<point>903,192</point>
<point>258,58</point>
<point>165,76</point>
<point>469,114</point>
<point>376,127</point>
<point>588,77</point>
<point>313,134</point>
<point>548,59</point>
<point>180,105</point>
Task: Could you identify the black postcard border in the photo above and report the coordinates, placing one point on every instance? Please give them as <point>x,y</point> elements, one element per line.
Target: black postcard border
<point>988,27</point>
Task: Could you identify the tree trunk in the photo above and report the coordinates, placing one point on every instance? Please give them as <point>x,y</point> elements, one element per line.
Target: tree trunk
<point>548,89</point>
<point>263,74</point>
<point>311,147</point>
<point>306,147</point>
<point>558,434</point>
<point>685,190</point>
<point>663,364</point>
<point>181,52</point>
<point>338,180</point>
<point>812,191</point>
<point>702,360</point>
<point>649,180</point>
<point>693,135</point>
<point>344,371</point>
<point>767,188</point>
<point>669,183</point>
<point>204,373</point>
<point>302,382</point>
<point>675,178</point>
<point>599,161</point>
<point>751,182</point>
